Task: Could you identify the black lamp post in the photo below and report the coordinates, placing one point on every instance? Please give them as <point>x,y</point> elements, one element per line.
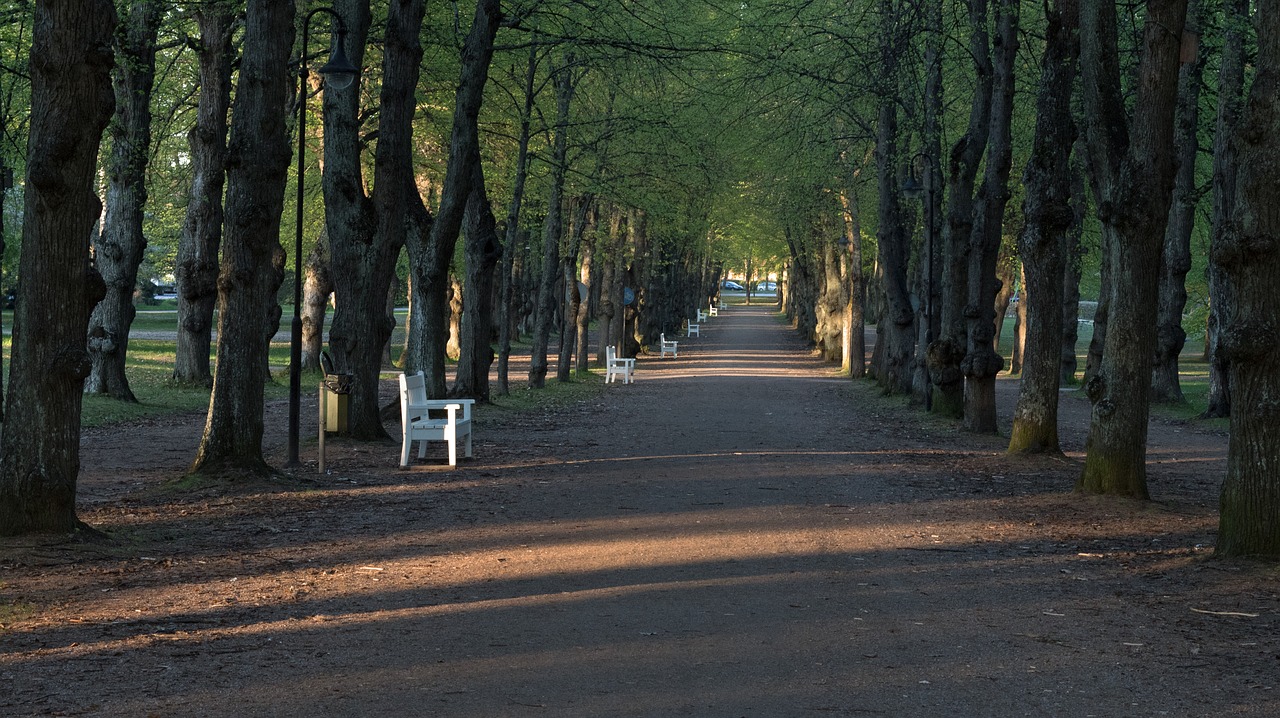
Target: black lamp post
<point>338,74</point>
<point>914,189</point>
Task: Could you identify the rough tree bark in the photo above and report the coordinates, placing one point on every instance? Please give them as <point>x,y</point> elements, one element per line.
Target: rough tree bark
<point>1230,100</point>
<point>252,258</point>
<point>981,362</point>
<point>506,303</point>
<point>1250,256</point>
<point>317,286</point>
<point>1133,171</point>
<point>1049,217</point>
<point>855,324</point>
<point>1175,260</point>
<point>71,101</point>
<point>430,264</point>
<point>896,327</point>
<point>197,265</point>
<point>927,320</point>
<point>1072,257</point>
<point>365,232</point>
<point>483,251</point>
<point>569,278</point>
<point>947,353</point>
<point>553,228</point>
<point>118,250</point>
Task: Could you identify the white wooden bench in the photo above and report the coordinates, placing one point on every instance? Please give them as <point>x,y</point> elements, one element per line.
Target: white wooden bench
<point>713,311</point>
<point>451,423</point>
<point>667,346</point>
<point>615,366</point>
<point>692,328</point>
<point>702,315</point>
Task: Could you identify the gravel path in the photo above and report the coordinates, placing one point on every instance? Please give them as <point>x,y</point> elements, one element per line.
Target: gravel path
<point>739,533</point>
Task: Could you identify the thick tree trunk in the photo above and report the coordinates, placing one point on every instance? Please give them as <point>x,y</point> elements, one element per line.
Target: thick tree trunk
<point>252,258</point>
<point>947,353</point>
<point>483,251</point>
<point>1073,255</point>
<point>897,330</point>
<point>1175,261</point>
<point>197,262</point>
<point>1049,217</point>
<point>317,287</point>
<point>1225,166</point>
<point>831,304</point>
<point>553,228</point>
<point>855,325</point>
<point>1133,171</point>
<point>118,250</point>
<point>1249,254</point>
<point>71,102</point>
<point>431,280</point>
<point>981,362</point>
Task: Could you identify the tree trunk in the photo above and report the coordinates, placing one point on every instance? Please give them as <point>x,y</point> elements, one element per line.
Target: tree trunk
<point>1250,256</point>
<point>981,362</point>
<point>483,252</point>
<point>583,320</point>
<point>897,325</point>
<point>1049,218</point>
<point>317,286</point>
<point>1225,166</point>
<point>572,297</point>
<point>1018,356</point>
<point>118,250</point>
<point>1175,261</point>
<point>71,102</point>
<point>506,305</point>
<point>252,258</point>
<point>1101,311</point>
<point>431,271</point>
<point>544,314</point>
<point>1073,255</point>
<point>1133,171</point>
<point>947,353</point>
<point>197,262</point>
<point>453,347</point>
<point>855,325</point>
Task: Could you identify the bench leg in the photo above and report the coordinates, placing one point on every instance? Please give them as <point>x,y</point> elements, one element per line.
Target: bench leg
<point>404,452</point>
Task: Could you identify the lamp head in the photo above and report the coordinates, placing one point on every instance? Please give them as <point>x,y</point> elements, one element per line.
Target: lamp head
<point>911,187</point>
<point>338,72</point>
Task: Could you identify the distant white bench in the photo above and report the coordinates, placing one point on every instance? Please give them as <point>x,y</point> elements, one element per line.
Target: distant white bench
<point>615,366</point>
<point>667,346</point>
<point>714,311</point>
<point>451,423</point>
<point>702,315</point>
<point>692,328</point>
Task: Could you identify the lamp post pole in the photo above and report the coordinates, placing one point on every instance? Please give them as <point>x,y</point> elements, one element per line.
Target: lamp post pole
<point>338,73</point>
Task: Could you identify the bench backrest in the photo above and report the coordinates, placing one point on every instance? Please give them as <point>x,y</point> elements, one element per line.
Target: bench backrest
<point>610,354</point>
<point>413,391</point>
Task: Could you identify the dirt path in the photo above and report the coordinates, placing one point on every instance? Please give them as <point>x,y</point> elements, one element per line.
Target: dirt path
<point>739,533</point>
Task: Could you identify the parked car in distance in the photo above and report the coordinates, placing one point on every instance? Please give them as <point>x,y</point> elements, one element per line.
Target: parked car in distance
<point>732,286</point>
<point>766,286</point>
